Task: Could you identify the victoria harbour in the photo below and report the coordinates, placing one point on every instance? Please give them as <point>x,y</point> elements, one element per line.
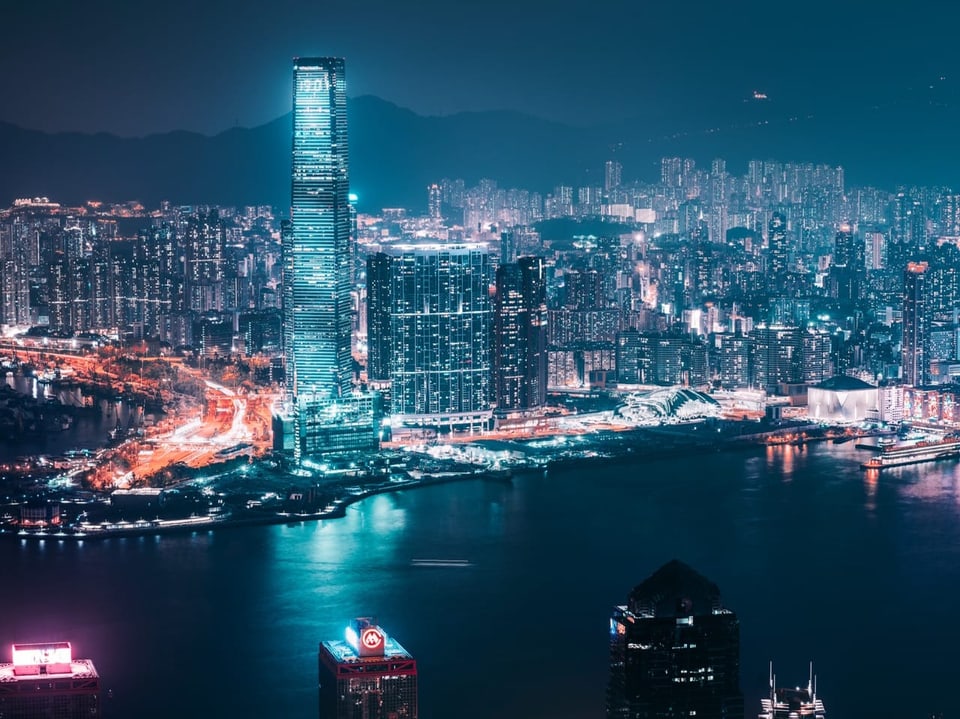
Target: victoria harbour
<point>820,561</point>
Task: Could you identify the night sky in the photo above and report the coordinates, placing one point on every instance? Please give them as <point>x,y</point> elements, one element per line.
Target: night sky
<point>112,65</point>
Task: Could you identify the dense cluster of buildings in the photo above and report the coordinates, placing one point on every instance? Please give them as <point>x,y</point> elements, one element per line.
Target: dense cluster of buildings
<point>183,276</point>
<point>461,318</point>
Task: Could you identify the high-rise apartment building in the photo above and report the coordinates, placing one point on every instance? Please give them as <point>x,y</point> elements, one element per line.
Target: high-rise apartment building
<point>328,416</point>
<point>440,334</point>
<point>379,305</point>
<point>674,650</point>
<point>916,325</point>
<point>44,680</point>
<point>779,249</point>
<point>777,356</point>
<point>520,336</point>
<point>368,675</point>
<point>612,175</point>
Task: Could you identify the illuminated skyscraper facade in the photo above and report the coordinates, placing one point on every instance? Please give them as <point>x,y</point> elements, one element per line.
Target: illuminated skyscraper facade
<point>916,324</point>
<point>440,334</point>
<point>520,336</point>
<point>379,306</point>
<point>317,269</point>
<point>674,651</point>
<point>367,676</point>
<point>779,249</point>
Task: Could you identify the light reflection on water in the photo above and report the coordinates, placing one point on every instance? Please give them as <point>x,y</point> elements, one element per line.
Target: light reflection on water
<point>819,560</point>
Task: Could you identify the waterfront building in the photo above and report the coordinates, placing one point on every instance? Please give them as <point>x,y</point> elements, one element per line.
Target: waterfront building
<point>674,650</point>
<point>440,335</point>
<point>733,360</point>
<point>520,346</point>
<point>842,399</point>
<point>777,356</point>
<point>368,674</point>
<point>328,415</point>
<point>44,680</point>
<point>916,324</point>
<point>817,351</point>
<point>632,358</point>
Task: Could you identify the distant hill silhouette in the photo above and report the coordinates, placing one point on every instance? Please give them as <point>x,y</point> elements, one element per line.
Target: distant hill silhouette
<point>395,153</point>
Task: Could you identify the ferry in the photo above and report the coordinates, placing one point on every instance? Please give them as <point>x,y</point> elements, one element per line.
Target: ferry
<point>927,451</point>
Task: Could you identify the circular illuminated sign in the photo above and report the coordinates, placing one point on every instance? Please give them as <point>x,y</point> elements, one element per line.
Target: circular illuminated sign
<point>371,638</point>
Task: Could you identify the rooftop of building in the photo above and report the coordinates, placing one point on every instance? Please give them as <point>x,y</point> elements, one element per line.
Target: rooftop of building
<point>344,653</point>
<point>844,383</point>
<point>675,590</point>
<point>79,669</point>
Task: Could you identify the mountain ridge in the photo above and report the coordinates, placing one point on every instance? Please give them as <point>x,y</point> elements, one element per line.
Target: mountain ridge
<point>395,153</point>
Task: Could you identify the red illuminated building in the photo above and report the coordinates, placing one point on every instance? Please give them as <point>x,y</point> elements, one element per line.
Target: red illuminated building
<point>44,680</point>
<point>367,676</point>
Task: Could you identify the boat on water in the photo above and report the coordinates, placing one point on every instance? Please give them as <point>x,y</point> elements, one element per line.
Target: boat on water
<point>441,563</point>
<point>897,455</point>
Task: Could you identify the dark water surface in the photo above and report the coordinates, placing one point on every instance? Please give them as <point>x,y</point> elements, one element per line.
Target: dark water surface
<point>861,576</point>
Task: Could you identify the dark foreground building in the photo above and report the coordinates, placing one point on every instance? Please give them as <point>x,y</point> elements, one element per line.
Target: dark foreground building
<point>44,680</point>
<point>674,650</point>
<point>368,676</point>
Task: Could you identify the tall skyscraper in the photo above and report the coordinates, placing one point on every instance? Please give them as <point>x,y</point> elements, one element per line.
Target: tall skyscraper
<point>367,676</point>
<point>44,680</point>
<point>916,325</point>
<point>520,336</point>
<point>674,650</point>
<point>317,258</point>
<point>328,416</point>
<point>434,201</point>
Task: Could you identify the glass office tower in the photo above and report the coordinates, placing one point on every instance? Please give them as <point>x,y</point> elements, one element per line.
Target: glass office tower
<point>328,415</point>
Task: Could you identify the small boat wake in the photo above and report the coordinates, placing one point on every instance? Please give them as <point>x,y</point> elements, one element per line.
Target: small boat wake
<point>447,563</point>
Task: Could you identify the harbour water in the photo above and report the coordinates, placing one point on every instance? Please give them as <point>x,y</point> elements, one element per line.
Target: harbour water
<point>820,560</point>
<point>88,429</point>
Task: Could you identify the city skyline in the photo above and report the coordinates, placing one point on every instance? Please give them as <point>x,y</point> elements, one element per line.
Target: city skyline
<point>733,364</point>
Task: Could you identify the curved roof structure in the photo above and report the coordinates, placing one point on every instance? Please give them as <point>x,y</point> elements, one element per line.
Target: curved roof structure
<point>675,402</point>
<point>843,383</point>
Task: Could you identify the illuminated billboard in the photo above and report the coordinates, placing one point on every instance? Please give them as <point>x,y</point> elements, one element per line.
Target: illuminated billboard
<point>51,658</point>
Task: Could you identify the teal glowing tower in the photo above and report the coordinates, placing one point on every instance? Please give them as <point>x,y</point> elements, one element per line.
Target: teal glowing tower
<point>328,415</point>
